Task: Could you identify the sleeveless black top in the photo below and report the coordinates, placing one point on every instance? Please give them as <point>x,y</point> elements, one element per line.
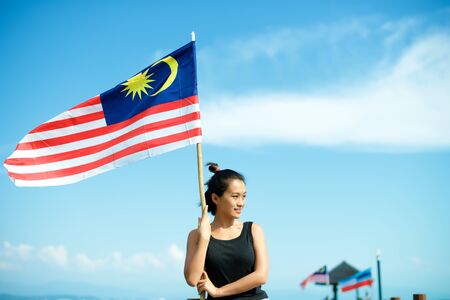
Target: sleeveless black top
<point>229,260</point>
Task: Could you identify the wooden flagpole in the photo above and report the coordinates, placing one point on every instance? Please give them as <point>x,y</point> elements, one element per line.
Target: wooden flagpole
<point>200,162</point>
<point>200,174</point>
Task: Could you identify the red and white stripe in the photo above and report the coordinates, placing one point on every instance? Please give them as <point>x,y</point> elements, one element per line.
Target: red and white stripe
<point>354,284</point>
<point>319,278</point>
<point>78,144</point>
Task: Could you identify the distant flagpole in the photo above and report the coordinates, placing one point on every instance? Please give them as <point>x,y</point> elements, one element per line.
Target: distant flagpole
<point>380,296</point>
<point>200,174</point>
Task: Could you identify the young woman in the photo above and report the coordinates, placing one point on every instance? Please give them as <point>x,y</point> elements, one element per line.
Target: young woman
<point>227,258</point>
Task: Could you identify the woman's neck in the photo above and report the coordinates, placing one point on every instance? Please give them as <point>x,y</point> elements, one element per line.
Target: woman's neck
<point>223,222</point>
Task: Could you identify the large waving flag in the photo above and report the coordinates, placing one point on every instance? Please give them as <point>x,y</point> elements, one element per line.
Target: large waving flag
<point>357,280</point>
<point>320,276</point>
<point>153,112</point>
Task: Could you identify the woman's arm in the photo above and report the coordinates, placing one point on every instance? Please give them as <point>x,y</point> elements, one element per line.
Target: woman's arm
<point>197,245</point>
<point>250,281</point>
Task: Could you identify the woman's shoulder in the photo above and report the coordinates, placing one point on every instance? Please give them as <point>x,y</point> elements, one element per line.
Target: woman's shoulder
<point>256,228</point>
<point>252,224</point>
<point>193,232</point>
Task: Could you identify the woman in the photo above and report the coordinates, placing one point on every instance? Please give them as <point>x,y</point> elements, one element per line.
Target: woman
<point>227,258</point>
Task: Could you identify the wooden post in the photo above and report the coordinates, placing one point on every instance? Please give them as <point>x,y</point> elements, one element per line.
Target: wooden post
<point>419,297</point>
<point>201,188</point>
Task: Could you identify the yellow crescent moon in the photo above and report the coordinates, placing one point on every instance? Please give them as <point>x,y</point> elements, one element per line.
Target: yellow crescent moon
<point>173,65</point>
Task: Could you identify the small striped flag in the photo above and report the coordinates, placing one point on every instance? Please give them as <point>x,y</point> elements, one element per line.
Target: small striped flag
<point>153,112</point>
<point>320,276</point>
<point>357,280</point>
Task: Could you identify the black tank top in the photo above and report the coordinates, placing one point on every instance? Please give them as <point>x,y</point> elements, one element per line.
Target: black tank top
<point>229,260</point>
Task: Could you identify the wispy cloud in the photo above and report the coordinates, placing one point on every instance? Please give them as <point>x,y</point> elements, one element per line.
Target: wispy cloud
<point>405,106</point>
<point>118,262</point>
<point>14,257</point>
<point>135,262</point>
<point>318,55</point>
<point>22,251</point>
<point>176,254</point>
<point>89,264</point>
<point>57,255</point>
<point>397,29</point>
<point>281,42</point>
<point>141,260</point>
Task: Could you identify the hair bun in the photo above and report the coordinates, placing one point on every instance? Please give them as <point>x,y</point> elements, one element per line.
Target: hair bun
<point>213,167</point>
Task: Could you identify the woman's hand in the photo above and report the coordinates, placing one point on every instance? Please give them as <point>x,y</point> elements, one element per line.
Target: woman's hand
<point>205,284</point>
<point>204,226</point>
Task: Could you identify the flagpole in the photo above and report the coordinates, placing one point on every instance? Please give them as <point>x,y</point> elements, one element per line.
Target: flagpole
<point>200,174</point>
<point>200,161</point>
<point>380,296</point>
<point>201,188</point>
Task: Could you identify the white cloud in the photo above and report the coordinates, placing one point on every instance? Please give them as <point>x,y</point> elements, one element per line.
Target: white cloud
<point>406,106</point>
<point>140,261</point>
<point>89,264</point>
<point>144,259</point>
<point>116,261</point>
<point>398,29</point>
<point>57,255</point>
<point>176,254</point>
<point>290,40</point>
<point>22,251</point>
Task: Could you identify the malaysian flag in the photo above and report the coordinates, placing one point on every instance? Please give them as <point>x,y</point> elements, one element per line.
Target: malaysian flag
<point>357,280</point>
<point>153,112</point>
<point>320,276</point>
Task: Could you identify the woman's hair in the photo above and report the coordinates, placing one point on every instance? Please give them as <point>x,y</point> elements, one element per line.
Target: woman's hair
<point>218,184</point>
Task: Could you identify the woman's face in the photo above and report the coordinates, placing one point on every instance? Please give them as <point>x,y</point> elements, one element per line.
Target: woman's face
<point>232,201</point>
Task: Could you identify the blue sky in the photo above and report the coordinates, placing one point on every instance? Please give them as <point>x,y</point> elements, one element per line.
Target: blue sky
<point>336,112</point>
